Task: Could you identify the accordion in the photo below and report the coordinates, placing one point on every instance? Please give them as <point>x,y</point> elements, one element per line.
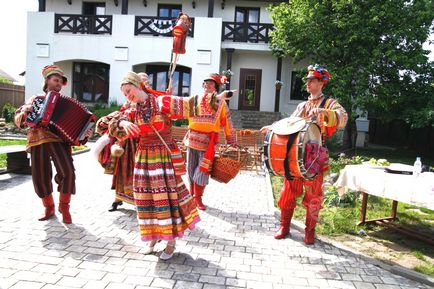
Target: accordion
<point>65,116</point>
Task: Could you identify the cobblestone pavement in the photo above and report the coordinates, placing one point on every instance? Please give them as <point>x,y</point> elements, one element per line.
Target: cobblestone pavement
<point>232,247</point>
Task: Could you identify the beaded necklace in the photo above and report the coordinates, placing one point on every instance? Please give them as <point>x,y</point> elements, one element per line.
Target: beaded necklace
<point>147,110</point>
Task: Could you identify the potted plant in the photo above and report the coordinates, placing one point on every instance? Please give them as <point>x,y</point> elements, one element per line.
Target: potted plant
<point>278,84</point>
<point>228,73</point>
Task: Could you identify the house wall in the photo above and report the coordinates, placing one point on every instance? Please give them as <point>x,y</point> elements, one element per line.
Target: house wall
<point>254,60</point>
<point>136,7</point>
<point>66,48</point>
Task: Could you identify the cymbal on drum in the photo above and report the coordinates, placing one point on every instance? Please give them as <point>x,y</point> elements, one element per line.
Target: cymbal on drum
<point>288,125</point>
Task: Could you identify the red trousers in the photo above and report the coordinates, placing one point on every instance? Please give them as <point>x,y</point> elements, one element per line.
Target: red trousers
<point>312,200</point>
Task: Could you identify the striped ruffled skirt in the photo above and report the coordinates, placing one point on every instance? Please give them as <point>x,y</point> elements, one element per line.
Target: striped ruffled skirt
<point>165,208</point>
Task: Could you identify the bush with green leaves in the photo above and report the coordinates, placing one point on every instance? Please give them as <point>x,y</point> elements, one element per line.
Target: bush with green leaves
<point>103,110</point>
<point>8,112</point>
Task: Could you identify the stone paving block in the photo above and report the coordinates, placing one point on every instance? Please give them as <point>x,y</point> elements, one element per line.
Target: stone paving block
<point>259,285</point>
<point>119,286</point>
<point>236,282</point>
<point>93,284</point>
<point>363,285</point>
<point>72,282</point>
<point>390,280</point>
<point>114,277</point>
<point>91,265</point>
<point>163,283</point>
<point>350,277</point>
<point>27,285</point>
<point>295,281</point>
<point>275,279</point>
<point>91,274</point>
<point>341,284</point>
<point>139,280</point>
<point>212,279</point>
<point>49,278</point>
<point>5,272</point>
<point>386,286</point>
<point>161,273</point>
<point>187,285</point>
<point>44,268</point>
<point>191,277</point>
<point>68,271</point>
<point>213,286</point>
<point>238,267</point>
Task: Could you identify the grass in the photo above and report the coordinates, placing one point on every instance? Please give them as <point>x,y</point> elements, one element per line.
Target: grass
<point>340,215</point>
<point>4,142</point>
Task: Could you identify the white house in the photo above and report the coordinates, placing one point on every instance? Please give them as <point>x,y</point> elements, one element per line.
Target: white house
<point>97,42</point>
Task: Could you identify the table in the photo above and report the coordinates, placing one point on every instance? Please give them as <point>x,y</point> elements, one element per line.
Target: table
<point>373,180</point>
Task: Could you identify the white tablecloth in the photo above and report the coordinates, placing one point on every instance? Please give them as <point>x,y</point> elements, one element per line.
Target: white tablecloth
<point>418,191</point>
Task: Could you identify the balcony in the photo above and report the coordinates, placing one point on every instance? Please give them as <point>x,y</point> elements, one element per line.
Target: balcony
<point>246,32</point>
<point>83,24</point>
<point>151,25</point>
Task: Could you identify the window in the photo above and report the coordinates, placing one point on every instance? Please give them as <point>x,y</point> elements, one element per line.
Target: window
<point>247,20</point>
<point>169,11</point>
<point>298,86</point>
<point>93,8</point>
<point>90,82</point>
<point>158,79</point>
<point>246,15</point>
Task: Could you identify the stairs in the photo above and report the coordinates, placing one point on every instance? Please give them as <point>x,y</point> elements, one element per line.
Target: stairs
<point>253,119</point>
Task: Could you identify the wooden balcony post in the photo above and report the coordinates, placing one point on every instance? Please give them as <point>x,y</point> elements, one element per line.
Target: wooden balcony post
<point>41,6</point>
<point>278,77</point>
<point>124,7</point>
<point>229,52</point>
<point>210,8</point>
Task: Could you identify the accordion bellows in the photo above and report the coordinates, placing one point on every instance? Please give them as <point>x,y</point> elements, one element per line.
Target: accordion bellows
<point>65,116</point>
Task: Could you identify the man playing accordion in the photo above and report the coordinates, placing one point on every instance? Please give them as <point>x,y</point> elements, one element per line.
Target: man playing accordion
<point>44,145</point>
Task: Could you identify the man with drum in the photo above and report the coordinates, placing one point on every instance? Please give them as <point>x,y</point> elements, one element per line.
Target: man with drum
<point>44,145</point>
<point>329,115</point>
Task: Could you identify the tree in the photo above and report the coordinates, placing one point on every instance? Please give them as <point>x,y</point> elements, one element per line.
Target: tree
<point>373,49</point>
<point>5,80</point>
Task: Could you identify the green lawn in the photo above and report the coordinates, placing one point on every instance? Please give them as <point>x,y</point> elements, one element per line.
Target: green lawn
<point>340,215</point>
<point>23,142</point>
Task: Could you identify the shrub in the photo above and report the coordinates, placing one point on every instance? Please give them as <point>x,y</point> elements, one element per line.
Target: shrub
<point>180,122</point>
<point>101,111</point>
<point>8,112</point>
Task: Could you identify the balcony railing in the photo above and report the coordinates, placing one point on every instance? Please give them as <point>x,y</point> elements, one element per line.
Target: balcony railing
<point>246,32</point>
<point>149,25</point>
<point>83,24</point>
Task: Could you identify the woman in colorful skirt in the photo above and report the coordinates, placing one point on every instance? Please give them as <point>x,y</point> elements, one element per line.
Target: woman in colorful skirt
<point>122,164</point>
<point>165,208</point>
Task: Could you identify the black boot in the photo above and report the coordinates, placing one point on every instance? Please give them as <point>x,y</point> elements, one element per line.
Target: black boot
<point>115,206</point>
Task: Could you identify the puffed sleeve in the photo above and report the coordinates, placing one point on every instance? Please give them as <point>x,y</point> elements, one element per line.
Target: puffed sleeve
<point>226,122</point>
<point>176,107</point>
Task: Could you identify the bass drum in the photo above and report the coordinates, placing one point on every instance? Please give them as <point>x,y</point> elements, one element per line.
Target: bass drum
<point>276,150</point>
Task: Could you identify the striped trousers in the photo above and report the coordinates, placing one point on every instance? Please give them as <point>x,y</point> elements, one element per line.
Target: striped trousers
<point>42,173</point>
<point>195,175</point>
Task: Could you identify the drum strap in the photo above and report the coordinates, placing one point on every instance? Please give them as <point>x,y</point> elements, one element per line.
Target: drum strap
<point>286,161</point>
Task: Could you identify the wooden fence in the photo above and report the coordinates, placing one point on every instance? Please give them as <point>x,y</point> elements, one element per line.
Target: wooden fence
<point>13,94</point>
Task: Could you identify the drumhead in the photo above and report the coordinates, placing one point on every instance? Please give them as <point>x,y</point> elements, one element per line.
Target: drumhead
<point>288,125</point>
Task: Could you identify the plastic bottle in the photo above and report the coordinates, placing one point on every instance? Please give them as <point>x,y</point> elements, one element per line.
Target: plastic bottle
<point>417,167</point>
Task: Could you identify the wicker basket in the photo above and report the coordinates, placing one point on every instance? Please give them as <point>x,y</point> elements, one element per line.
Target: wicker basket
<point>224,168</point>
<point>242,155</point>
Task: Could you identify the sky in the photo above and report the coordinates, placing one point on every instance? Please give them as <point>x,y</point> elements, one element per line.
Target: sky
<point>13,26</point>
